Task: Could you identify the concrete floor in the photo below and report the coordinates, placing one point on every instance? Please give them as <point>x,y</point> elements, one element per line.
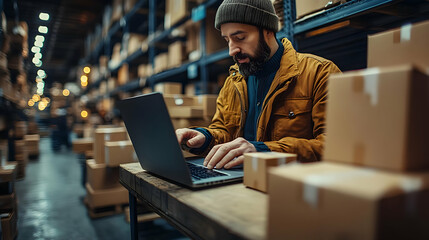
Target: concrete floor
<point>50,204</point>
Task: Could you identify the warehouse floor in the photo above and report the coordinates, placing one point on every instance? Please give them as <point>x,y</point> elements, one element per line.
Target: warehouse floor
<point>50,204</point>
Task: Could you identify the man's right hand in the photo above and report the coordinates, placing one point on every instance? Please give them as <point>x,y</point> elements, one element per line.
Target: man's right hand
<point>190,137</point>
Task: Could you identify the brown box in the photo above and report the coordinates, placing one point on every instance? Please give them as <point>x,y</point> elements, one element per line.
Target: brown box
<point>123,75</point>
<point>375,118</point>
<point>176,10</point>
<point>9,225</point>
<point>82,145</point>
<point>128,5</point>
<point>32,143</point>
<point>214,40</point>
<point>169,88</point>
<point>186,112</point>
<point>161,62</point>
<point>135,42</point>
<point>173,100</point>
<point>189,122</point>
<point>7,202</point>
<point>8,172</point>
<point>307,7</point>
<point>106,197</point>
<point>119,152</point>
<point>103,135</point>
<point>256,167</point>
<point>176,54</point>
<point>408,44</point>
<point>117,10</point>
<point>208,102</point>
<point>336,201</point>
<point>99,176</point>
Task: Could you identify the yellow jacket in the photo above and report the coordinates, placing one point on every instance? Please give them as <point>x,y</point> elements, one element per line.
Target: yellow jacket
<point>293,113</point>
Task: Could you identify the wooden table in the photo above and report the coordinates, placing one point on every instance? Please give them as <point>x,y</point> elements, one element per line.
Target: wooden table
<point>223,212</point>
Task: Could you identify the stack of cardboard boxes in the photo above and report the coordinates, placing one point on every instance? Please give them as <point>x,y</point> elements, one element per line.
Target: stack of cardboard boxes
<point>21,152</point>
<point>111,147</point>
<point>32,144</point>
<point>374,180</point>
<point>8,201</point>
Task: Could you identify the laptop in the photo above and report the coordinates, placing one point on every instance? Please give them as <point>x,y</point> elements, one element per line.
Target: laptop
<point>154,139</point>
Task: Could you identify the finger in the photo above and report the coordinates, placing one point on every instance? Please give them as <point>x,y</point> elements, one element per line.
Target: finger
<point>196,141</point>
<point>229,156</point>
<point>219,154</point>
<point>237,161</point>
<point>210,155</point>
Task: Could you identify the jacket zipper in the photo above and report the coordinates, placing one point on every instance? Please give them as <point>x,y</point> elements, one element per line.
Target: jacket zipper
<point>242,113</point>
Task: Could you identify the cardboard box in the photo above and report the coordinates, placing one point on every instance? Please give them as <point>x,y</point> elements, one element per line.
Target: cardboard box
<point>117,10</point>
<point>189,122</point>
<point>176,10</point>
<point>375,118</point>
<point>9,225</point>
<point>169,88</point>
<point>99,176</point>
<point>208,102</point>
<point>4,152</point>
<point>123,74</point>
<point>407,44</point>
<point>161,62</point>
<point>20,129</point>
<point>103,135</point>
<point>176,54</point>
<point>135,42</point>
<point>214,40</point>
<point>7,202</point>
<point>128,5</point>
<point>336,201</point>
<point>106,197</point>
<point>307,7</point>
<point>256,167</point>
<point>32,143</point>
<point>82,145</point>
<point>186,112</point>
<point>173,100</point>
<point>119,152</point>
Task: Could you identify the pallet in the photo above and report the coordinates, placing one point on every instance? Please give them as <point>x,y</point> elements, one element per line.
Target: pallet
<point>104,211</point>
<point>141,217</point>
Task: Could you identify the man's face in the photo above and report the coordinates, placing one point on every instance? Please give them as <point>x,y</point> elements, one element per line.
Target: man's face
<point>247,46</point>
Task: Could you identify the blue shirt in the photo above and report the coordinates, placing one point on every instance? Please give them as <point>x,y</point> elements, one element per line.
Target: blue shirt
<point>257,88</point>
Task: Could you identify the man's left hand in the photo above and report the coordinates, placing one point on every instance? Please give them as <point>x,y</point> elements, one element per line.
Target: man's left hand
<point>228,154</point>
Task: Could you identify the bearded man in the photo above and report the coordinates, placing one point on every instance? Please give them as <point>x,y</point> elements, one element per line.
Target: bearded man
<point>274,98</point>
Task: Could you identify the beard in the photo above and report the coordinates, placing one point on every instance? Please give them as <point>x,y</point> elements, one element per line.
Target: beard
<point>257,61</point>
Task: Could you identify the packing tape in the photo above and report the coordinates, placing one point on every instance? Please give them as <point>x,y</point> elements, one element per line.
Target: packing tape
<point>406,33</point>
<point>122,144</point>
<point>107,137</point>
<point>254,164</point>
<point>281,161</point>
<point>371,82</point>
<point>314,181</point>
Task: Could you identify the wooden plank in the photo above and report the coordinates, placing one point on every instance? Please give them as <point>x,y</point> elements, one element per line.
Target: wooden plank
<point>223,212</point>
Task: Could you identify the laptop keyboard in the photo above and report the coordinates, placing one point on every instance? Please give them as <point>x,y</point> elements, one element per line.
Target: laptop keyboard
<point>199,172</point>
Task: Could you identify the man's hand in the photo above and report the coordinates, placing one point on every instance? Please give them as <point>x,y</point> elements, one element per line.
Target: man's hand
<point>189,137</point>
<point>229,154</point>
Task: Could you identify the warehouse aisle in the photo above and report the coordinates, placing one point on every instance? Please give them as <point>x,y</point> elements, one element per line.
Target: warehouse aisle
<point>50,204</point>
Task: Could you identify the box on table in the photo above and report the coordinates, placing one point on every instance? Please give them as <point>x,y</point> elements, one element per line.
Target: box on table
<point>103,135</point>
<point>256,165</point>
<point>337,201</point>
<point>169,88</point>
<point>119,152</point>
<point>190,122</point>
<point>173,100</point>
<point>375,118</point>
<point>408,44</point>
<point>9,225</point>
<point>81,145</point>
<point>99,176</point>
<point>106,197</point>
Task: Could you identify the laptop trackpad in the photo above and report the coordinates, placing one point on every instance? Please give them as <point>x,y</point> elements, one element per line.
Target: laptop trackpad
<point>200,161</point>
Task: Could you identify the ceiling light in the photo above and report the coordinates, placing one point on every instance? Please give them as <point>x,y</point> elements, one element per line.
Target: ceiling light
<point>38,55</point>
<point>39,64</point>
<point>30,103</point>
<point>40,85</point>
<point>44,16</point>
<point>38,44</point>
<point>41,73</point>
<point>35,49</point>
<point>66,92</point>
<point>84,114</point>
<point>84,78</point>
<point>40,38</point>
<point>43,29</point>
<point>86,70</point>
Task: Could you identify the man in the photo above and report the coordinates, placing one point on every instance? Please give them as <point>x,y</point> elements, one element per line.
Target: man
<point>274,98</point>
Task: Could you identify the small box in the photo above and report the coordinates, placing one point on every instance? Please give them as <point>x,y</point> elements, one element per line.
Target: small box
<point>9,225</point>
<point>176,54</point>
<point>169,88</point>
<point>189,122</point>
<point>99,176</point>
<point>106,197</point>
<point>161,62</point>
<point>408,44</point>
<point>173,100</point>
<point>186,112</point>
<point>119,152</point>
<point>256,167</point>
<point>135,42</point>
<point>325,200</point>
<point>375,118</point>
<point>81,145</point>
<point>103,135</point>
<point>123,74</point>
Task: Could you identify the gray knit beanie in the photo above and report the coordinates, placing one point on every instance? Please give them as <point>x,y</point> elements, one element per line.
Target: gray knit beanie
<point>259,13</point>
